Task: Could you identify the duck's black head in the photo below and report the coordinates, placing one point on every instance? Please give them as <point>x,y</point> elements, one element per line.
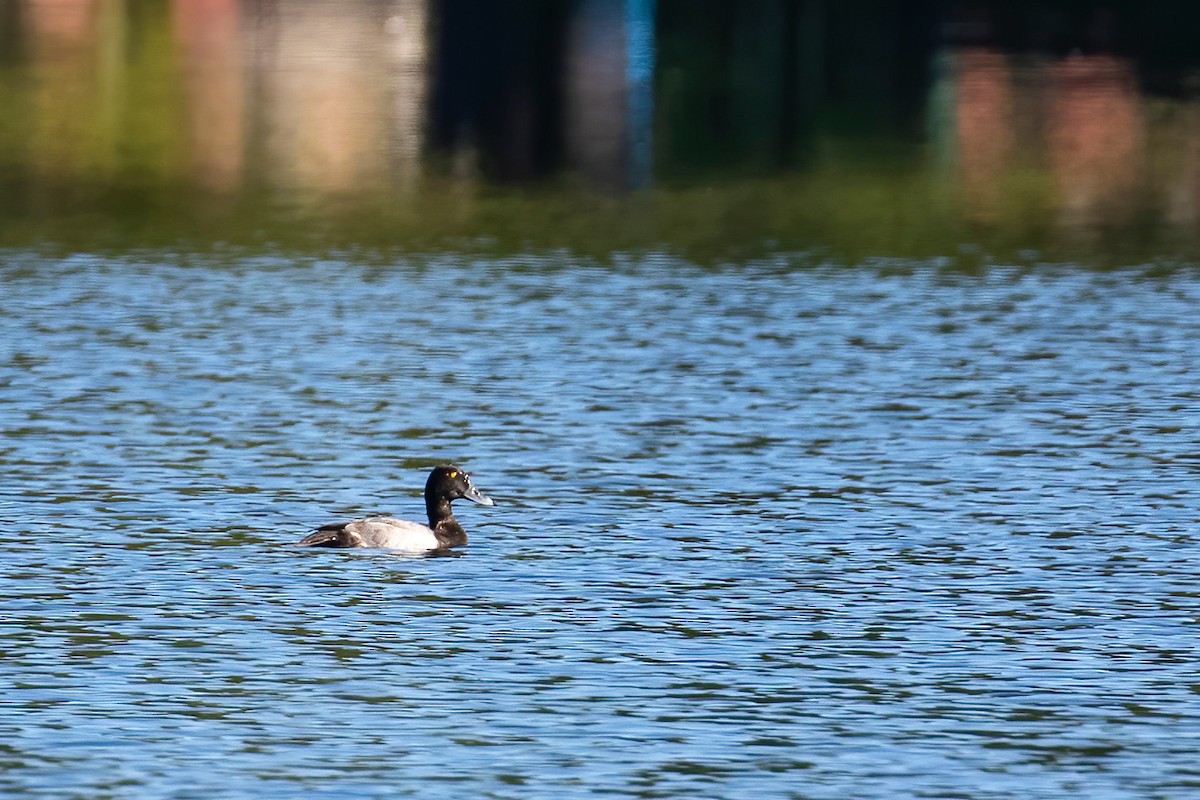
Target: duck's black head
<point>448,482</point>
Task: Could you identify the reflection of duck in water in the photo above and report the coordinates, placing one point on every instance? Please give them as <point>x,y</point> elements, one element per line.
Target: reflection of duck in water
<point>446,484</point>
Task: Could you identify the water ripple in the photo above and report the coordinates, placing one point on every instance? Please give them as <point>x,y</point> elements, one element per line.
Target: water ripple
<point>760,532</point>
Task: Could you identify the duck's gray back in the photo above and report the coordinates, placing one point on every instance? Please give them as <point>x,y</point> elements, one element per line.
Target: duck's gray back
<point>395,534</point>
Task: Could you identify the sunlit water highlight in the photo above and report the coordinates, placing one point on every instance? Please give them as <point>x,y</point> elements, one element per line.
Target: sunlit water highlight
<point>767,530</point>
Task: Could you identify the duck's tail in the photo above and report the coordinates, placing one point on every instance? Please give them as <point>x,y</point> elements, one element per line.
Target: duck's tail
<point>331,535</point>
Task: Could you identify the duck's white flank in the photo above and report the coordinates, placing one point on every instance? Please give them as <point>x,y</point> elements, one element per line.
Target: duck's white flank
<point>394,534</point>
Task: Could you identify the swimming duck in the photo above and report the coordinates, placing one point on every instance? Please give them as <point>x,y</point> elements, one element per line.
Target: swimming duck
<point>445,484</point>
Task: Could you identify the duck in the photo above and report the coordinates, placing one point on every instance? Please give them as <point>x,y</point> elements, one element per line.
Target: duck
<point>446,483</point>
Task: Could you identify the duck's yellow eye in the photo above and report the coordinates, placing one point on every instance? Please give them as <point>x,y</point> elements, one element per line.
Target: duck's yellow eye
<point>453,474</point>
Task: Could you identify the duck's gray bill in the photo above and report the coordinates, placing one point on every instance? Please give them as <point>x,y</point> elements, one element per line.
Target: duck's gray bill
<point>475,497</point>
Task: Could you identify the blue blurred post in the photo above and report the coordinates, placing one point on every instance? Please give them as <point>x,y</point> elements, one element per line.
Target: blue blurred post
<point>610,92</point>
<point>639,49</point>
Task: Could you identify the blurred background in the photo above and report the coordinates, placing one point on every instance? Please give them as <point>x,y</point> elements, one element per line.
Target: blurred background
<point>707,127</point>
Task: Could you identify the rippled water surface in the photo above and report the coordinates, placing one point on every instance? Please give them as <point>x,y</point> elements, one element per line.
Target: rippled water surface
<point>766,530</point>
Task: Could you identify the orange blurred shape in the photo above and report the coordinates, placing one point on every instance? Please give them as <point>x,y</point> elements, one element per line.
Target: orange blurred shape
<point>61,22</point>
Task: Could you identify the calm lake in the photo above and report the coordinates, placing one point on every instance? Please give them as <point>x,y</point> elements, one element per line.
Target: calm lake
<point>835,382</point>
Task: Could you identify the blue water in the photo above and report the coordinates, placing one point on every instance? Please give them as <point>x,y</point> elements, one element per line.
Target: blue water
<point>778,529</point>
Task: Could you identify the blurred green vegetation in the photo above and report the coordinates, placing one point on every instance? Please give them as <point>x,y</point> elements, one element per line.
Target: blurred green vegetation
<point>836,217</point>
